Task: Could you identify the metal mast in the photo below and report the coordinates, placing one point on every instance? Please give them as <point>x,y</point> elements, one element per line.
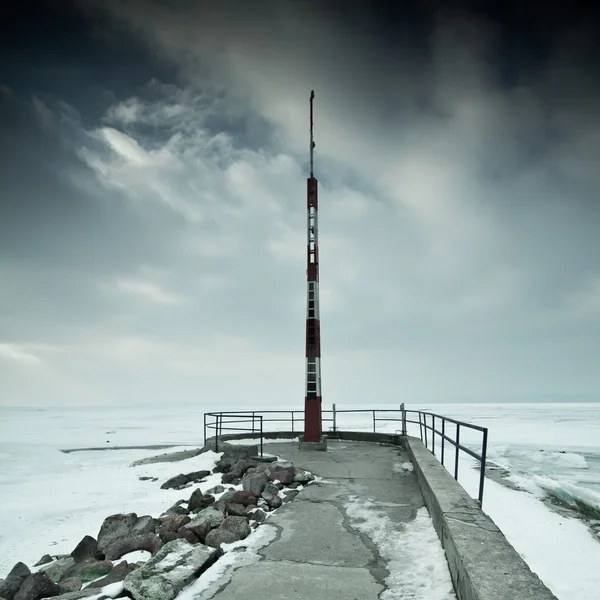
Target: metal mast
<point>312,402</point>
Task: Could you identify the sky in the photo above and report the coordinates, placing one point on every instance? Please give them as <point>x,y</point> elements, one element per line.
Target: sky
<point>153,165</point>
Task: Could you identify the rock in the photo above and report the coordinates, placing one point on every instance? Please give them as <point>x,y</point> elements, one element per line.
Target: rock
<point>198,500</point>
<point>173,523</point>
<point>219,536</point>
<point>148,541</point>
<point>44,560</point>
<point>199,528</point>
<point>244,498</point>
<point>197,475</point>
<point>294,485</point>
<point>231,530</point>
<point>145,524</point>
<point>88,570</point>
<point>70,584</point>
<point>124,533</point>
<point>174,566</point>
<point>283,472</point>
<point>118,573</point>
<point>181,480</point>
<point>236,510</point>
<point>86,548</point>
<point>227,497</point>
<point>237,525</point>
<point>290,495</point>
<point>303,477</point>
<point>37,586</point>
<point>214,517</point>
<point>257,515</point>
<point>176,482</point>
<point>14,580</point>
<point>115,527</point>
<point>177,509</point>
<point>169,536</point>
<point>275,503</point>
<point>188,536</point>
<point>85,593</point>
<point>229,478</point>
<point>218,489</point>
<point>223,466</point>
<point>271,488</point>
<point>57,569</point>
<point>255,483</point>
<point>264,459</point>
<point>240,467</point>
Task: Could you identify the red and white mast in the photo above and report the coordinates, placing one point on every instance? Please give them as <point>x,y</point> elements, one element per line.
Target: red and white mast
<point>312,401</point>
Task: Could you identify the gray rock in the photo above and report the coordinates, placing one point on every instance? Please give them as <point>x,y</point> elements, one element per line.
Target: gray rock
<point>14,580</point>
<point>303,476</point>
<point>197,475</point>
<point>118,573</point>
<point>282,471</point>
<point>148,541</point>
<point>145,524</point>
<point>85,593</point>
<point>175,482</point>
<point>236,510</point>
<point>271,488</point>
<point>188,535</point>
<point>175,565</point>
<point>86,548</point>
<point>56,570</point>
<point>240,467</point>
<point>218,489</point>
<point>173,523</point>
<point>294,485</point>
<point>244,498</point>
<point>255,483</point>
<point>223,466</point>
<point>115,527</point>
<point>290,495</point>
<point>88,570</point>
<point>177,509</point>
<point>199,501</point>
<point>219,536</point>
<point>237,525</point>
<point>37,586</point>
<point>257,515</point>
<point>199,528</point>
<point>275,503</point>
<point>215,517</point>
<point>44,560</point>
<point>227,497</point>
<point>70,584</point>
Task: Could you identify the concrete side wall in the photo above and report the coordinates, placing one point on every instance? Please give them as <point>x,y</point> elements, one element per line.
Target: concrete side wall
<point>483,565</point>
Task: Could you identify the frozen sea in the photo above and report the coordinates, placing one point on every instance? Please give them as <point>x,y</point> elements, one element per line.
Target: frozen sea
<point>50,499</point>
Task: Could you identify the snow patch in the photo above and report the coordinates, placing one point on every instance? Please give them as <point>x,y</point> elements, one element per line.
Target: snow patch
<point>134,557</point>
<point>220,572</point>
<point>415,558</point>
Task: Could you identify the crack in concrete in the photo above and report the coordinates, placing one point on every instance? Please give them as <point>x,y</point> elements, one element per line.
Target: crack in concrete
<point>471,522</point>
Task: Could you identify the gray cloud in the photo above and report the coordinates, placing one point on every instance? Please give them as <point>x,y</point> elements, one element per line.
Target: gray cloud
<point>458,213</point>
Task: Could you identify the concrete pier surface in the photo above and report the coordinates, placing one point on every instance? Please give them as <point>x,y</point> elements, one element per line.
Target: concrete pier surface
<point>361,532</point>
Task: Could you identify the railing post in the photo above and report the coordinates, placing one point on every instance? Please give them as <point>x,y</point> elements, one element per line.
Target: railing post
<point>217,433</point>
<point>443,438</point>
<point>261,435</point>
<point>403,419</point>
<point>292,421</point>
<point>373,421</point>
<point>433,434</point>
<point>204,441</point>
<point>334,422</point>
<point>457,451</point>
<point>425,419</point>
<point>483,460</point>
<point>420,426</point>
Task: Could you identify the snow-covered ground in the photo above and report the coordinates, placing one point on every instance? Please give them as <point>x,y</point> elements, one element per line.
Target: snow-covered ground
<point>51,499</point>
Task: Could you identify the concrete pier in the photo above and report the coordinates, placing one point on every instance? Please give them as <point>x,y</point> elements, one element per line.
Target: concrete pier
<point>317,553</point>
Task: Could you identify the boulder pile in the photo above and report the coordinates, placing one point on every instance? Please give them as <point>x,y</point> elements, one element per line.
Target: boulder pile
<point>183,542</point>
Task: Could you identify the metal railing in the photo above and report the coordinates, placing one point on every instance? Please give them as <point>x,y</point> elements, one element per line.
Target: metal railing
<point>254,421</point>
<point>427,422</point>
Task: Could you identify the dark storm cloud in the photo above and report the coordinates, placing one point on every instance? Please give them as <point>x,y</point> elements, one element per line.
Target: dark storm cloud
<point>457,154</point>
